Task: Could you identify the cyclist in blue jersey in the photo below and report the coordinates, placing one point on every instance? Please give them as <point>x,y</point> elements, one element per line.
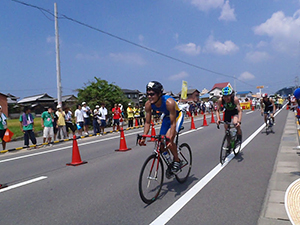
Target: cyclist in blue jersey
<point>172,119</point>
<point>233,111</point>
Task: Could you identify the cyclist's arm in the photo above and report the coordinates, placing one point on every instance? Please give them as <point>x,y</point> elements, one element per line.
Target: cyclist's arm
<point>274,107</point>
<point>148,111</point>
<point>237,102</point>
<point>170,104</point>
<point>218,109</point>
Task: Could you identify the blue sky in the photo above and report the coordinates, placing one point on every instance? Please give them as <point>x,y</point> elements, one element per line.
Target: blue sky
<point>257,42</point>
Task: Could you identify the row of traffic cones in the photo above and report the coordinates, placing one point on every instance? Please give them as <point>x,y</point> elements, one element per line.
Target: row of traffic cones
<point>76,159</point>
<point>204,120</point>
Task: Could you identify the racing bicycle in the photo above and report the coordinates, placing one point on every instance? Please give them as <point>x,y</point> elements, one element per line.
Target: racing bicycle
<point>269,125</point>
<point>152,172</point>
<point>230,142</point>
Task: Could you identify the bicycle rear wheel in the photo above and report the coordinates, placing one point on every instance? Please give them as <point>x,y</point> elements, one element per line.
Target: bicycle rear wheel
<point>151,179</point>
<point>224,149</point>
<point>185,156</point>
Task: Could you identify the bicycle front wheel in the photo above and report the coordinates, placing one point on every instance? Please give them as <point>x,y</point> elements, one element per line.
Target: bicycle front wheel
<point>185,156</point>
<point>151,179</point>
<point>224,149</point>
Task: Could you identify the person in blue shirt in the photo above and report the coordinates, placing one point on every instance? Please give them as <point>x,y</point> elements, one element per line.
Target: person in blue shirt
<point>172,120</point>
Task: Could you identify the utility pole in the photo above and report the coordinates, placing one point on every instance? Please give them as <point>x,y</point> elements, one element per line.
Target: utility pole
<point>58,77</point>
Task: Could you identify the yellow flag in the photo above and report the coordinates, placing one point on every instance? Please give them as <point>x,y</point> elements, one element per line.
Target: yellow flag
<point>184,90</point>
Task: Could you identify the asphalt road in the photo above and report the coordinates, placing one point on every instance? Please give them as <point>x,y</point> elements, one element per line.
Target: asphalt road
<point>105,190</point>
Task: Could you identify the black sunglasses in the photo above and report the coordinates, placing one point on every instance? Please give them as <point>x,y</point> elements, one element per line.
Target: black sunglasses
<point>151,94</point>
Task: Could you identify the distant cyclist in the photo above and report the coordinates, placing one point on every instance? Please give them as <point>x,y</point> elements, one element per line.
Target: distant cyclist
<point>267,106</point>
<point>232,109</point>
<point>172,119</point>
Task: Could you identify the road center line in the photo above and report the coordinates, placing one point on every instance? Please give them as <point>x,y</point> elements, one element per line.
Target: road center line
<point>170,212</point>
<point>23,183</point>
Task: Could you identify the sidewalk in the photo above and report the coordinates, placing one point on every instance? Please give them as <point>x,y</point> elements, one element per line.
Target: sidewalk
<point>286,171</point>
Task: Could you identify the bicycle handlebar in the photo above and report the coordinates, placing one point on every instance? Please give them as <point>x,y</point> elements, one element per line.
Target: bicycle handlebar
<point>156,137</point>
<point>231,125</point>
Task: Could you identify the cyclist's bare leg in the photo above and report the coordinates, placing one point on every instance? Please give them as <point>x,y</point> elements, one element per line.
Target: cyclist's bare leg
<point>173,148</point>
<point>228,138</point>
<point>272,116</point>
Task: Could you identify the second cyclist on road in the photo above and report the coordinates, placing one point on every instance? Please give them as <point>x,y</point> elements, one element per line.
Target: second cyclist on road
<point>232,110</point>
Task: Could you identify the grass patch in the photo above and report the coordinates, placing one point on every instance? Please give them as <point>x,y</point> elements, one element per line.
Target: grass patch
<point>14,126</point>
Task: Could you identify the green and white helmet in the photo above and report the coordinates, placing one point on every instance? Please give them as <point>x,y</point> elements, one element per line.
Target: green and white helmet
<point>227,91</point>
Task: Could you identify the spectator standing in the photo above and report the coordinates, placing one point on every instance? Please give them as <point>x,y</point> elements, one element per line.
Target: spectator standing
<point>130,113</point>
<point>3,126</point>
<point>103,117</point>
<point>79,119</point>
<point>86,115</point>
<point>27,127</point>
<point>61,123</point>
<point>47,120</point>
<point>116,111</point>
<point>96,120</point>
<point>137,115</point>
<point>69,121</point>
<point>142,115</point>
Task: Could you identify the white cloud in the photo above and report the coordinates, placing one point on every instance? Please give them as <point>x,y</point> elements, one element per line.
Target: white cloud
<point>176,37</point>
<point>190,49</point>
<point>141,39</point>
<point>205,5</point>
<point>217,47</point>
<point>179,76</point>
<point>88,57</point>
<point>246,76</point>
<point>283,31</point>
<point>128,58</point>
<point>261,44</point>
<point>256,57</point>
<point>227,13</point>
<point>51,39</point>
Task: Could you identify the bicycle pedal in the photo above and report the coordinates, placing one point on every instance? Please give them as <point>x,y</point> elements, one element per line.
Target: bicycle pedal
<point>169,174</point>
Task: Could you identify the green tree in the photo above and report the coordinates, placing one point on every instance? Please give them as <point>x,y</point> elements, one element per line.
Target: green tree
<point>98,91</point>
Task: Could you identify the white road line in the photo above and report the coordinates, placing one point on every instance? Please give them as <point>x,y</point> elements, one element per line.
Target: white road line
<point>249,112</point>
<point>181,202</point>
<point>23,183</point>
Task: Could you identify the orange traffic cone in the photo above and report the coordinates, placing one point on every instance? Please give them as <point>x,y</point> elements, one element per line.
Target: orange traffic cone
<point>192,124</point>
<point>204,120</point>
<point>287,107</point>
<point>136,123</point>
<point>76,159</point>
<point>153,133</point>
<point>212,117</point>
<point>253,108</point>
<point>123,146</point>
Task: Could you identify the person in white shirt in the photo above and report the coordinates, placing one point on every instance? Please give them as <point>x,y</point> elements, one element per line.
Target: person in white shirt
<point>103,115</point>
<point>79,119</point>
<point>86,115</point>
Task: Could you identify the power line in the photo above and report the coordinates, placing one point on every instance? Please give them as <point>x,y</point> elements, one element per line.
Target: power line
<point>133,43</point>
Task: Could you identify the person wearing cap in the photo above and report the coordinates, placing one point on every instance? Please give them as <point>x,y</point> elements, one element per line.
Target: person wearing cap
<point>96,120</point>
<point>130,114</point>
<point>116,111</point>
<point>86,115</point>
<point>69,121</point>
<point>47,120</point>
<point>61,123</point>
<point>27,127</point>
<point>103,118</point>
<point>79,119</point>
<point>3,126</point>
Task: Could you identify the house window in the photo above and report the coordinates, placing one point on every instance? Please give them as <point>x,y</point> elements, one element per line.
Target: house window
<point>135,96</point>
<point>128,96</point>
